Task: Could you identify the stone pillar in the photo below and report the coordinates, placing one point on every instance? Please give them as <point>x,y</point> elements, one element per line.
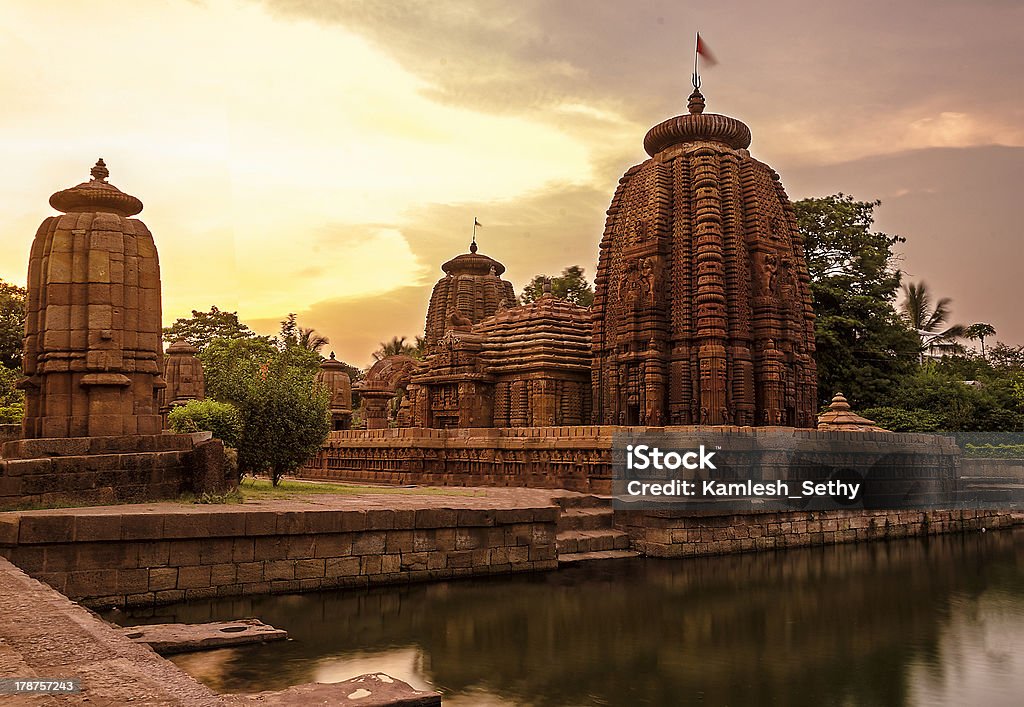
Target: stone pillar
<point>92,350</point>
<point>375,407</point>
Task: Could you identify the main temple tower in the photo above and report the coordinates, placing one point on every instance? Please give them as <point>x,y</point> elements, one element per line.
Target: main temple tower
<point>702,308</point>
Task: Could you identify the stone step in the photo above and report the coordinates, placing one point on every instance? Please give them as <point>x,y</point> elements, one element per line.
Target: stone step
<point>575,541</point>
<point>583,500</point>
<point>585,519</point>
<point>575,557</point>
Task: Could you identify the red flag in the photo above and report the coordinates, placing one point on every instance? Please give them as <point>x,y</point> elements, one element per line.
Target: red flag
<point>702,49</point>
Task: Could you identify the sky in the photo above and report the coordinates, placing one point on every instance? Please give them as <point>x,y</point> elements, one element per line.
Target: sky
<point>324,157</point>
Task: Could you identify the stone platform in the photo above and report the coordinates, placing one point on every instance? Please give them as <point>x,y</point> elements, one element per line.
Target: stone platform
<point>157,553</point>
<point>579,458</point>
<point>98,470</point>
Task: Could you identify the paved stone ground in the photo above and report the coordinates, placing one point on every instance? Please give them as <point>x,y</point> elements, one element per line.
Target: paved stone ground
<point>43,635</point>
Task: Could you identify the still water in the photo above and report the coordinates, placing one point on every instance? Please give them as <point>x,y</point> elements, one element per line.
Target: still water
<point>911,622</point>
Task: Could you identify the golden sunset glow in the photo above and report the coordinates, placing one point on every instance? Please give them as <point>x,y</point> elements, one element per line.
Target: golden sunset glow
<point>326,157</point>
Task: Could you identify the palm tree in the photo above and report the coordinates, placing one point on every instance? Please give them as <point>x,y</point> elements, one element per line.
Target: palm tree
<point>312,340</point>
<point>980,331</point>
<point>397,347</point>
<point>928,321</point>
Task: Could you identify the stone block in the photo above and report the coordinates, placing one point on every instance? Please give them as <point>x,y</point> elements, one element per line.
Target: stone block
<point>242,549</point>
<point>342,567</point>
<point>97,528</point>
<point>10,526</point>
<point>370,564</point>
<point>336,545</point>
<point>216,551</point>
<point>249,572</point>
<point>223,574</point>
<point>279,570</point>
<point>184,552</point>
<point>227,524</point>
<point>260,523</point>
<point>193,576</point>
<point>271,548</point>
<point>132,581</point>
<point>46,528</point>
<point>369,543</point>
<point>307,569</point>
<point>163,578</point>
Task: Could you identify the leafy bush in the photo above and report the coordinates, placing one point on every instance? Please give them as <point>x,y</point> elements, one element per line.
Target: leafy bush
<point>12,414</point>
<point>994,451</point>
<point>222,419</point>
<point>900,420</point>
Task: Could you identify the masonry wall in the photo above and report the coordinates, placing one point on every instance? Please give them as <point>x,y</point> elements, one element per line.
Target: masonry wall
<point>579,458</point>
<point>106,559</point>
<point>674,534</point>
<point>101,470</point>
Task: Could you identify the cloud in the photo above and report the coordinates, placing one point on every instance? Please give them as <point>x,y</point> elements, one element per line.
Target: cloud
<point>827,83</point>
<point>959,218</point>
<point>541,232</point>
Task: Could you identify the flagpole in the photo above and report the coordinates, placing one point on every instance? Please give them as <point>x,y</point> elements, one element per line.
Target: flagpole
<point>696,53</point>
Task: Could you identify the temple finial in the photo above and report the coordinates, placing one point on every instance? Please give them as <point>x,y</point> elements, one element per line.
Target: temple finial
<point>99,171</point>
<point>332,355</point>
<point>696,103</point>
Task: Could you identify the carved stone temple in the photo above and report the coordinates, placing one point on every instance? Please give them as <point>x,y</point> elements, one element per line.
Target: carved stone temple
<point>92,351</point>
<point>702,308</point>
<point>701,316</point>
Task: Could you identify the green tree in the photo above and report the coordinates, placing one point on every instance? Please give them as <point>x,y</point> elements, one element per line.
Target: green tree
<point>863,348</point>
<point>12,324</point>
<point>203,327</point>
<point>12,399</point>
<point>930,322</point>
<point>229,363</point>
<point>285,420</point>
<point>284,417</point>
<point>570,286</point>
<point>980,331</point>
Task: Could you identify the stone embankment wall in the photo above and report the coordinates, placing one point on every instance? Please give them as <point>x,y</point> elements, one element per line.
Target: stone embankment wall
<point>166,554</point>
<point>674,534</point>
<point>580,458</point>
<point>99,470</point>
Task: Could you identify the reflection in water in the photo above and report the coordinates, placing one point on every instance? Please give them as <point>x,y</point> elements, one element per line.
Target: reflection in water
<point>913,622</point>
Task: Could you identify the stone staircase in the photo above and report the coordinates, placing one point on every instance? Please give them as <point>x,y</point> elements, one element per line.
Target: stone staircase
<point>585,530</point>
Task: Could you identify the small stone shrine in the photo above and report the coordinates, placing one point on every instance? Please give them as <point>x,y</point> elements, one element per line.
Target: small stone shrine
<point>183,375</point>
<point>93,359</point>
<point>92,351</point>
<point>336,381</point>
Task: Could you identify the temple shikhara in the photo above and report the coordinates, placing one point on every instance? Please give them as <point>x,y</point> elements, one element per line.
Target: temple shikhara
<point>93,356</point>
<point>701,316</point>
<point>702,308</point>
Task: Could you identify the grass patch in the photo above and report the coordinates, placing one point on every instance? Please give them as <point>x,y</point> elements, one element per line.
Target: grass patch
<point>261,489</point>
